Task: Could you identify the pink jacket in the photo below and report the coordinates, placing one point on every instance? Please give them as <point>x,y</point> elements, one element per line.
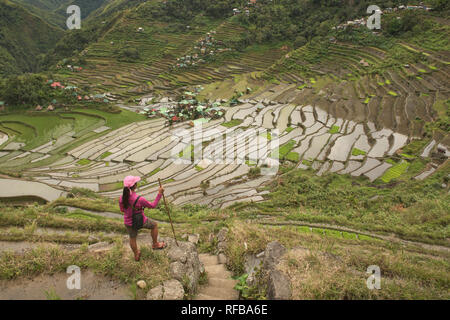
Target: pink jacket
<point>141,204</point>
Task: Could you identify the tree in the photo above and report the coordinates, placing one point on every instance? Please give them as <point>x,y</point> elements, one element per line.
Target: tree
<point>300,41</point>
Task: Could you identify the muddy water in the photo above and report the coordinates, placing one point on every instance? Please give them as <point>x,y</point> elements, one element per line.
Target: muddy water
<point>3,138</point>
<point>378,171</point>
<point>21,188</point>
<point>93,287</point>
<point>22,246</point>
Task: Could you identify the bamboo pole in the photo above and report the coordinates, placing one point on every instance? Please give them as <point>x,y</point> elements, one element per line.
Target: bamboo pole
<point>168,213</point>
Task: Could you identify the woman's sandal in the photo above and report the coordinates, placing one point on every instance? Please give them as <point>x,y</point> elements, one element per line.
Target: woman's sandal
<point>138,257</point>
<point>159,246</point>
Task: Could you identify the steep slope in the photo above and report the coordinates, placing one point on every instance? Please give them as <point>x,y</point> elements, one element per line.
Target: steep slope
<point>23,37</point>
<point>54,11</point>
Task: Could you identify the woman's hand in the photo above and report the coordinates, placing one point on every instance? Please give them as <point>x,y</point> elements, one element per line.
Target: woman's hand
<point>161,190</point>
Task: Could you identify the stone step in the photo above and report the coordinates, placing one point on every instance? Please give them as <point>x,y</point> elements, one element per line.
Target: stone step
<point>220,293</point>
<point>202,296</point>
<point>222,282</point>
<point>217,271</point>
<point>207,259</point>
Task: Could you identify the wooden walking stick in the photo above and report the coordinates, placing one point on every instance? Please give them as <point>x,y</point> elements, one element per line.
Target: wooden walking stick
<point>168,213</point>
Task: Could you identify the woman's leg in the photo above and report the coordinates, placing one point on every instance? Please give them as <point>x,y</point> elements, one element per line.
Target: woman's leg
<point>134,247</point>
<point>155,233</point>
<point>153,226</point>
<point>133,243</point>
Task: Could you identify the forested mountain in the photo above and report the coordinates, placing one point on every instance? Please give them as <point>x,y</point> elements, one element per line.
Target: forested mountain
<point>24,37</point>
<point>54,11</point>
<point>295,21</point>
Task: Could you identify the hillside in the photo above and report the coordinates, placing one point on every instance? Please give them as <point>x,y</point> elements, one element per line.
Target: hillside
<point>54,11</point>
<point>23,39</point>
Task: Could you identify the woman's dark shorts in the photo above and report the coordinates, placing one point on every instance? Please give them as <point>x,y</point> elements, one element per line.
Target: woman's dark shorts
<point>149,224</point>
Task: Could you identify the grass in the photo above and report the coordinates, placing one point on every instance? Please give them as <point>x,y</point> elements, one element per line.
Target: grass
<point>395,171</point>
<point>52,295</point>
<point>84,162</point>
<point>392,93</point>
<point>284,150</point>
<point>105,154</point>
<point>289,129</point>
<point>232,123</point>
<point>115,120</point>
<point>293,156</point>
<point>408,156</point>
<point>35,130</point>
<point>412,210</point>
<point>267,135</point>
<point>326,266</point>
<point>358,152</point>
<point>50,217</point>
<point>415,147</point>
<point>334,129</point>
<point>117,264</point>
<point>441,107</point>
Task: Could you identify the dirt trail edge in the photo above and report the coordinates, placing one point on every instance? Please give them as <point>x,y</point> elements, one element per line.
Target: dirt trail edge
<point>365,233</point>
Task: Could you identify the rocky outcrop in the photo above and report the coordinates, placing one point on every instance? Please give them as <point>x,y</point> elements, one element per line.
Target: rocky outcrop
<point>193,238</point>
<point>169,290</point>
<point>185,269</point>
<point>222,240</point>
<point>185,265</point>
<point>252,264</point>
<point>278,286</point>
<point>275,282</point>
<point>272,255</point>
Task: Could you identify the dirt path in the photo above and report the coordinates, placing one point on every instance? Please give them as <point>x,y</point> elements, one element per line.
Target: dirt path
<point>43,287</point>
<point>220,285</point>
<point>391,238</point>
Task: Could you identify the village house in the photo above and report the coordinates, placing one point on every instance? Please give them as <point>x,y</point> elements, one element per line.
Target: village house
<point>56,85</point>
<point>364,63</point>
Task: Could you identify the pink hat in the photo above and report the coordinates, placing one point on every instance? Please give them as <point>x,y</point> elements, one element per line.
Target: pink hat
<point>130,181</point>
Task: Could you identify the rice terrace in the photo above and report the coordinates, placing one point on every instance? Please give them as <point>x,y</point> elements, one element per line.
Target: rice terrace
<point>298,153</point>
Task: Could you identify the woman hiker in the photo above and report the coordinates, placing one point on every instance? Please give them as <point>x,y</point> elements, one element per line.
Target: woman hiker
<point>126,202</point>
